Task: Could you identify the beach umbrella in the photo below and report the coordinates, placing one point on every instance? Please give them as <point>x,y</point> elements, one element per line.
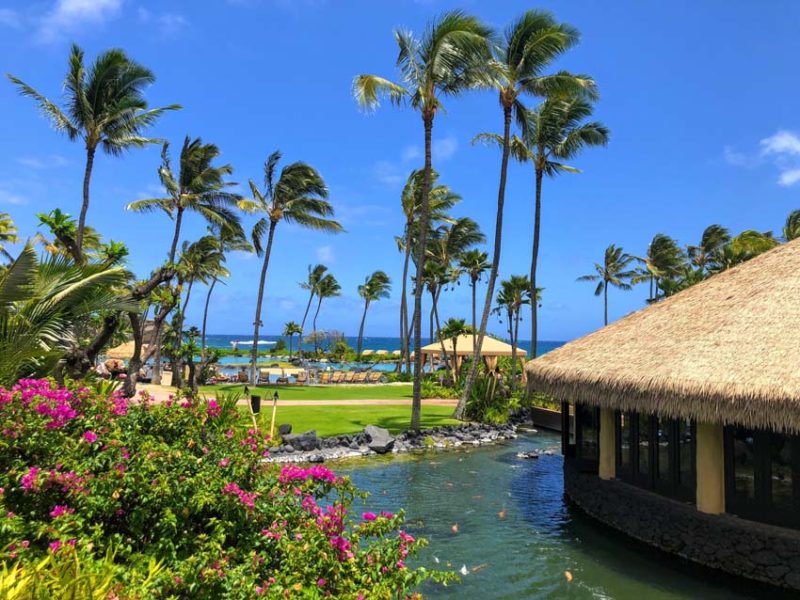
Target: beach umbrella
<point>367,352</point>
<point>397,353</point>
<point>381,352</point>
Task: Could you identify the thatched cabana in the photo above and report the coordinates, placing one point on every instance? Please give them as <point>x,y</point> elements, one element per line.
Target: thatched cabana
<point>491,349</point>
<point>694,399</point>
<point>124,351</point>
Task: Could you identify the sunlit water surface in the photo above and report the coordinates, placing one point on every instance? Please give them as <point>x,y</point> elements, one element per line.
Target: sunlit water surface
<point>517,537</point>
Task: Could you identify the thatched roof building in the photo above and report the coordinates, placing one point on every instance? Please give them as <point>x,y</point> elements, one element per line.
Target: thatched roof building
<point>726,350</point>
<point>464,347</point>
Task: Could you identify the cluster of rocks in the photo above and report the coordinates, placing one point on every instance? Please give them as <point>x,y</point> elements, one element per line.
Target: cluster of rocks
<point>308,447</point>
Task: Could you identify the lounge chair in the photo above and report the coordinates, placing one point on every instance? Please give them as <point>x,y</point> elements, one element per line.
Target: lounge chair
<point>348,377</point>
<point>282,381</point>
<point>302,378</point>
<point>374,377</point>
<point>360,377</point>
<point>263,376</point>
<point>324,377</point>
<point>337,377</point>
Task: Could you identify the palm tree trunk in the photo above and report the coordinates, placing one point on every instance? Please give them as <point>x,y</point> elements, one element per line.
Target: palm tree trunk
<point>135,362</point>
<point>361,329</point>
<point>537,217</point>
<point>177,368</point>
<point>514,345</point>
<point>176,237</point>
<point>316,337</point>
<point>205,320</point>
<point>405,354</point>
<point>435,311</point>
<point>87,177</point>
<point>474,321</point>
<point>605,303</point>
<point>303,324</point>
<point>290,346</point>
<point>498,240</point>
<point>416,403</point>
<point>257,321</point>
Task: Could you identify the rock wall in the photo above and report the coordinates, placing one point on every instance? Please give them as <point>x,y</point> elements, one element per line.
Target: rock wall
<point>758,551</point>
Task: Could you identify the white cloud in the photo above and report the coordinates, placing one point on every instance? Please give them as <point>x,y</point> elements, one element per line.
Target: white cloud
<point>783,142</point>
<point>444,148</point>
<point>789,177</point>
<point>7,197</point>
<point>171,23</point>
<point>43,162</point>
<point>388,173</point>
<point>70,15</point>
<point>10,18</point>
<point>325,254</point>
<point>738,159</point>
<point>411,153</point>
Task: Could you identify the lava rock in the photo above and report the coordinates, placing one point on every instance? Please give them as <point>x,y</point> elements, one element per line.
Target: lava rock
<point>380,441</point>
<point>304,441</point>
<point>284,429</point>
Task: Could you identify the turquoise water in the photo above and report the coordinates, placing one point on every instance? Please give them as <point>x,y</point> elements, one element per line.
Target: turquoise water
<point>525,554</point>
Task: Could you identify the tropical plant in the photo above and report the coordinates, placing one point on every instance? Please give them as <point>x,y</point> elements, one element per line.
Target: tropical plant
<point>290,330</point>
<point>8,234</point>
<point>474,263</point>
<point>613,272</point>
<point>711,242</point>
<point>328,288</point>
<point>528,47</point>
<point>298,196</point>
<point>664,260</point>
<point>375,286</point>
<point>315,274</point>
<point>104,108</point>
<point>451,330</point>
<point>450,57</point>
<point>791,230</point>
<point>513,294</point>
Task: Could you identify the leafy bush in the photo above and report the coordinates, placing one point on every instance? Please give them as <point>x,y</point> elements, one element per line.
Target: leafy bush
<point>183,485</point>
<point>488,402</point>
<point>431,389</point>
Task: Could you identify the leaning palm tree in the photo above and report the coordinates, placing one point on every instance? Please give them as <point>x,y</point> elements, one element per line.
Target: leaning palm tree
<point>440,200</point>
<point>664,260</point>
<point>450,57</point>
<point>311,284</point>
<point>527,48</point>
<point>298,196</point>
<point>291,329</point>
<point>613,272</point>
<point>199,187</point>
<point>713,239</point>
<point>474,263</point>
<point>513,294</point>
<point>328,288</point>
<point>791,230</point>
<point>375,286</point>
<point>8,234</point>
<point>104,107</point>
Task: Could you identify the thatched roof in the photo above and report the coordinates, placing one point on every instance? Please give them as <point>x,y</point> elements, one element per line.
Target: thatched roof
<point>726,350</point>
<point>464,347</point>
<point>123,351</point>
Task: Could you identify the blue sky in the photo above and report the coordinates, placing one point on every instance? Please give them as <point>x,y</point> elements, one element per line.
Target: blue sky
<point>700,97</point>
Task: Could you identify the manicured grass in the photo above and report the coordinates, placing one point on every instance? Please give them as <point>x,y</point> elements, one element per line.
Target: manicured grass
<point>337,420</point>
<point>324,392</point>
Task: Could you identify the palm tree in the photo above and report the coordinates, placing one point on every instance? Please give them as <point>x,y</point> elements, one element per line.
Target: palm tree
<point>513,294</point>
<point>713,239</point>
<point>199,187</point>
<point>528,47</point>
<point>298,196</point>
<point>8,234</point>
<point>375,286</point>
<point>328,288</point>
<point>440,200</point>
<point>613,272</point>
<point>107,109</point>
<point>791,231</point>
<point>311,284</point>
<point>474,263</point>
<point>290,330</point>
<point>231,238</point>
<point>451,330</point>
<point>450,57</point>
<point>664,260</point>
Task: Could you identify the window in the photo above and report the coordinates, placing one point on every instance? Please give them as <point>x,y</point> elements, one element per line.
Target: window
<point>657,453</point>
<point>587,436</point>
<point>762,472</point>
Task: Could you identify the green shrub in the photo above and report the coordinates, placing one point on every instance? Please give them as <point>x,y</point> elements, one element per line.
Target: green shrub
<point>488,403</point>
<point>431,389</point>
<point>183,485</point>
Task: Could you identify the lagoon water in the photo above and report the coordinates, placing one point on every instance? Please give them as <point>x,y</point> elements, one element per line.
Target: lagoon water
<point>526,553</point>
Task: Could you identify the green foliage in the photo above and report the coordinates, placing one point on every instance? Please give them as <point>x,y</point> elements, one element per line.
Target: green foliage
<point>488,403</point>
<point>180,498</point>
<point>279,346</point>
<point>431,389</point>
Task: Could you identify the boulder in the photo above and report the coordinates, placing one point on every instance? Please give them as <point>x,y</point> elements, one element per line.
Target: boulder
<point>380,440</point>
<point>284,429</point>
<point>303,441</point>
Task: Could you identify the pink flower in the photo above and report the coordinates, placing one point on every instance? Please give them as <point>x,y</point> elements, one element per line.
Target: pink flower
<point>28,480</point>
<point>368,516</point>
<point>321,582</point>
<point>224,462</point>
<point>214,409</point>
<point>90,436</point>
<point>55,546</point>
<point>61,509</point>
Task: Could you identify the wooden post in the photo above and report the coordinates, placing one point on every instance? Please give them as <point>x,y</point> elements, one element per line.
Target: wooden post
<point>608,445</point>
<point>274,410</point>
<point>710,469</point>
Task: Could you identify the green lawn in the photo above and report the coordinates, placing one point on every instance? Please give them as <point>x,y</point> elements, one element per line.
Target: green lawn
<point>326,392</point>
<point>336,420</point>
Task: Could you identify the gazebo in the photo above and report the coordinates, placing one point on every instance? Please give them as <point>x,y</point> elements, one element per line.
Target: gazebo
<point>462,346</point>
<point>687,420</point>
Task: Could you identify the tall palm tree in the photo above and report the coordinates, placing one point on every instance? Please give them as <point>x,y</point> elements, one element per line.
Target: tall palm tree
<point>8,234</point>
<point>664,260</point>
<point>449,57</point>
<point>440,201</point>
<point>328,288</point>
<point>791,230</point>
<point>613,272</point>
<point>290,330</point>
<point>298,196</point>
<point>199,187</point>
<point>104,108</point>
<point>311,284</point>
<point>528,47</point>
<point>375,286</point>
<point>513,294</point>
<point>451,330</point>
<point>474,263</point>
<point>231,238</point>
<point>713,239</point>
